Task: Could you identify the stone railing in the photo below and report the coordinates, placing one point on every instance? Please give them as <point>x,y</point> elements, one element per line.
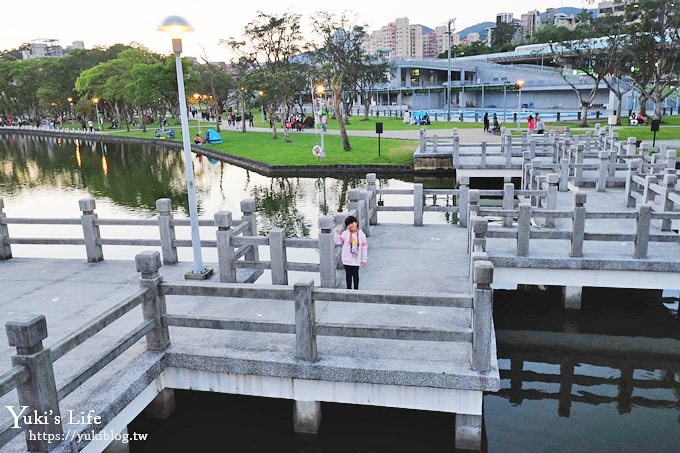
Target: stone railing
<point>32,373</point>
<point>664,197</point>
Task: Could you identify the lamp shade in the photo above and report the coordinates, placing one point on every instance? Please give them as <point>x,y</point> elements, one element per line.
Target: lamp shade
<point>175,26</point>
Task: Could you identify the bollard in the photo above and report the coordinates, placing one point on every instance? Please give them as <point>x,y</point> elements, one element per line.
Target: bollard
<point>166,230</point>
<point>225,249</point>
<point>93,245</point>
<point>39,391</point>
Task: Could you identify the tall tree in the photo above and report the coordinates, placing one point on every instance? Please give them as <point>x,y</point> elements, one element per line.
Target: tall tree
<point>653,48</point>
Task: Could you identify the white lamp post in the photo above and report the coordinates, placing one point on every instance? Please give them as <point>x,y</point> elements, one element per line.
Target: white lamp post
<point>520,83</point>
<point>96,109</point>
<point>320,90</point>
<point>448,73</point>
<point>176,26</point>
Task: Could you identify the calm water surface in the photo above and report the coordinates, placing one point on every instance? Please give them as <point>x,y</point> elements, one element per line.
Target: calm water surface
<point>619,390</point>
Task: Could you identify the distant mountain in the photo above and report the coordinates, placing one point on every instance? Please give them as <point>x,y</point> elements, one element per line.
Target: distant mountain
<point>481,27</point>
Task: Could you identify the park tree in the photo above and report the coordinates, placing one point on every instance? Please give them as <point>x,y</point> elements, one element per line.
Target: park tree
<point>217,84</point>
<point>504,36</point>
<point>653,49</point>
<point>372,72</point>
<point>337,59</point>
<point>269,56</point>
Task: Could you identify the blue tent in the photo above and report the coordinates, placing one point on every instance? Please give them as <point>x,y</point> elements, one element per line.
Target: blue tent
<point>212,136</point>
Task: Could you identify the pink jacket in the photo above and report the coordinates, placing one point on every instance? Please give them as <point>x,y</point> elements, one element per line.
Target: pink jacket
<point>360,250</point>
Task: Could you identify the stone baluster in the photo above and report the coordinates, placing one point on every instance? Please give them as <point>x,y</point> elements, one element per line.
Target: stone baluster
<point>482,310</point>
<point>669,181</point>
<point>602,171</point>
<point>523,229</point>
<point>278,256</point>
<point>93,245</point>
<point>372,200</point>
<point>564,175</point>
<point>225,249</point>
<point>39,392</point>
<point>248,215</point>
<point>483,155</point>
<point>166,229</point>
<point>551,198</point>
<point>418,204</point>
<point>423,140</point>
<point>305,321</point>
<point>435,140</point>
<point>578,225</point>
<point>5,248</point>
<point>508,202</point>
<point>634,169</point>
<point>463,200</point>
<point>153,306</point>
<point>642,227</point>
<point>327,260</point>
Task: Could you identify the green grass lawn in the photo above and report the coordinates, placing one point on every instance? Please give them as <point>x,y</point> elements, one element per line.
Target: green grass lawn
<point>261,147</point>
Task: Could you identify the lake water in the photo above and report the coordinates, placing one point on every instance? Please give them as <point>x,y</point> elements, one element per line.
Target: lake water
<point>619,390</point>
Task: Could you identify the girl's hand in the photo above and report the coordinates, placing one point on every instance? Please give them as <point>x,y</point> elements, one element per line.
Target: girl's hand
<point>363,264</point>
<point>338,229</point>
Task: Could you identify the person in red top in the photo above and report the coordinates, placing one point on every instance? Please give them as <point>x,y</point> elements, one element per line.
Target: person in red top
<point>531,123</point>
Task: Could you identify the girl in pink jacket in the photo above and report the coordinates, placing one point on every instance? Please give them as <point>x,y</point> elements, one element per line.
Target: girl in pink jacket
<point>354,250</point>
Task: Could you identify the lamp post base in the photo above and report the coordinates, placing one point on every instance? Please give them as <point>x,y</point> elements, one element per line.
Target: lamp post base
<point>206,274</point>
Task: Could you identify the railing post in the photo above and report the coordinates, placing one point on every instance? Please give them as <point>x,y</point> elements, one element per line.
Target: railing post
<point>167,230</point>
<point>630,146</point>
<point>456,151</point>
<point>634,166</point>
<point>482,156</point>
<point>327,260</point>
<point>480,226</point>
<point>523,229</point>
<point>5,248</point>
<point>93,246</point>
<point>277,256</point>
<point>39,393</point>
<point>248,215</point>
<point>305,321</point>
<point>666,203</point>
<point>355,204</point>
<point>463,199</point>
<point>526,170</point>
<point>372,201</point>
<point>564,175</point>
<point>508,202</point>
<point>473,204</point>
<point>423,136</point>
<point>602,171</point>
<point>642,227</point>
<point>551,198</point>
<point>365,198</point>
<point>418,204</point>
<point>435,140</point>
<point>482,310</point>
<point>648,193</point>
<point>578,169</point>
<point>578,225</point>
<point>225,249</point>
<point>671,159</point>
<point>148,264</point>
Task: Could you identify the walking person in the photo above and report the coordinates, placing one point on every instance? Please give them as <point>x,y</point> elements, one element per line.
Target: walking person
<point>354,250</point>
<point>540,126</point>
<point>486,121</point>
<point>531,124</point>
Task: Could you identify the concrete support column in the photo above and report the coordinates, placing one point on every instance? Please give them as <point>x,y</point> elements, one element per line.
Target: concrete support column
<point>5,249</point>
<point>571,297</point>
<point>166,231</point>
<point>162,406</point>
<point>508,202</point>
<point>642,228</point>
<point>225,250</point>
<point>93,245</point>
<point>117,446</point>
<point>154,308</point>
<point>307,417</point>
<point>39,392</point>
<point>277,256</point>
<point>578,225</point>
<point>468,432</point>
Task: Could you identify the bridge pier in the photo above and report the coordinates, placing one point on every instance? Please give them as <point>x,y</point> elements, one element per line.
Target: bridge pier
<point>306,417</point>
<point>162,406</point>
<point>571,297</point>
<point>468,432</point>
<point>118,446</point>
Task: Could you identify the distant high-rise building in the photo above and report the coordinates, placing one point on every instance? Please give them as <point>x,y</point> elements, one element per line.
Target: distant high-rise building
<point>503,18</point>
<point>531,21</point>
<point>611,8</point>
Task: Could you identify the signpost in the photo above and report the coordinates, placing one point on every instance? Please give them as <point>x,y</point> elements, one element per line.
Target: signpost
<point>378,130</point>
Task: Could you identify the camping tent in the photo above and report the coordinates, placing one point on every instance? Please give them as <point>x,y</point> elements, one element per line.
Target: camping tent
<point>212,136</point>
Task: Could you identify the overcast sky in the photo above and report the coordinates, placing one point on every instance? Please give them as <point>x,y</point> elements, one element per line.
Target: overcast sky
<point>103,22</point>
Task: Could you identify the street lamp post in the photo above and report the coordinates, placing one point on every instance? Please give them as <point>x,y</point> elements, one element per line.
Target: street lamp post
<point>520,83</point>
<point>505,103</point>
<point>176,26</point>
<point>320,90</point>
<point>448,72</point>
<point>96,109</point>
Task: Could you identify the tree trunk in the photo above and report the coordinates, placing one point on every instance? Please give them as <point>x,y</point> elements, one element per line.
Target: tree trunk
<point>243,117</point>
<point>367,108</point>
<point>619,105</point>
<point>142,119</point>
<point>337,89</point>
<point>584,120</point>
<point>272,122</point>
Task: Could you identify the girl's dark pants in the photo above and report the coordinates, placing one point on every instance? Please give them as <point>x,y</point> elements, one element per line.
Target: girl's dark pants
<point>352,273</point>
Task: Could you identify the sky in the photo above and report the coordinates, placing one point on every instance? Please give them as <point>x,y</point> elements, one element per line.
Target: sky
<point>125,21</point>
